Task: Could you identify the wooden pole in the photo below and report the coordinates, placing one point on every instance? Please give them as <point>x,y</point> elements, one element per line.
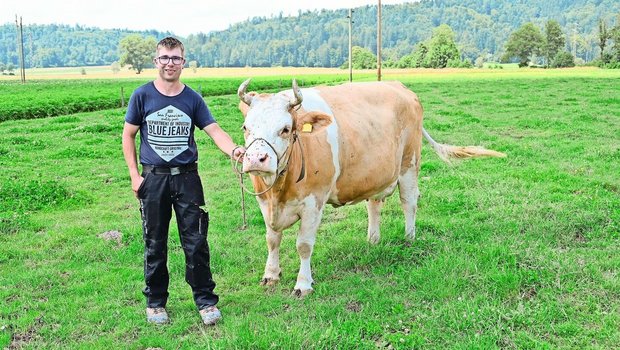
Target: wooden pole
<point>379,41</point>
<point>21,36</point>
<point>350,44</point>
<point>20,48</point>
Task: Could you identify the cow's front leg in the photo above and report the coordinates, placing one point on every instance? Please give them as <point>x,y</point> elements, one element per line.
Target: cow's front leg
<point>272,268</point>
<point>305,244</point>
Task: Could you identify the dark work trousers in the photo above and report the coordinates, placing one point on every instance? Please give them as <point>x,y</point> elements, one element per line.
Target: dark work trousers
<point>158,194</point>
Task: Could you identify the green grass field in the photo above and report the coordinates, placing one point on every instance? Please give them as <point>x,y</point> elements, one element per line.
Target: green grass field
<point>515,253</point>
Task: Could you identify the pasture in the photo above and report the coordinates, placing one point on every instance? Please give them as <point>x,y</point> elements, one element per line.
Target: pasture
<point>514,253</point>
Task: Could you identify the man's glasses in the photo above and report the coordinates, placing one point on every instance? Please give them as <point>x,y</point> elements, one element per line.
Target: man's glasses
<point>166,59</point>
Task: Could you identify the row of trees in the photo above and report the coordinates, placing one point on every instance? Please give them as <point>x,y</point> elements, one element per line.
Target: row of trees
<point>440,51</point>
<point>479,30</point>
<point>529,42</point>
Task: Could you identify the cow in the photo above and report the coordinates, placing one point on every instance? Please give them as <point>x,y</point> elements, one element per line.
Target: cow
<point>337,145</point>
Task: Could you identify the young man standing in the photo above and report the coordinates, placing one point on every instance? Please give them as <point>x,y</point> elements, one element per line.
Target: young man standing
<point>166,113</point>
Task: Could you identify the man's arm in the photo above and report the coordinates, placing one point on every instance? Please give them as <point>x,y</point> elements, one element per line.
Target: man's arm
<point>223,141</point>
<point>129,151</point>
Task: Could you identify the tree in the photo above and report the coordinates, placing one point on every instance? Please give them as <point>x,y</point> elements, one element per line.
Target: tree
<point>137,51</point>
<point>362,58</point>
<point>614,35</point>
<point>523,43</point>
<point>554,40</point>
<point>116,67</point>
<point>442,47</point>
<point>193,65</point>
<point>418,57</point>
<point>603,36</point>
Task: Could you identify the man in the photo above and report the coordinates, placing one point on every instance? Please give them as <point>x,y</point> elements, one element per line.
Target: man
<point>166,112</point>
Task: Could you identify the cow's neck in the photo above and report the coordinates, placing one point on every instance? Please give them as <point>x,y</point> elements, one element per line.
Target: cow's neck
<point>284,192</point>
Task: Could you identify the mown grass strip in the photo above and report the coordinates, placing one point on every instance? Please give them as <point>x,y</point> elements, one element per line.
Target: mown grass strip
<point>48,98</point>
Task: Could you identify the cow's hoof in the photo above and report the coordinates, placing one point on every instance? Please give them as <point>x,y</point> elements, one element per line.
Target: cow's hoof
<point>373,239</point>
<point>269,281</point>
<point>301,293</point>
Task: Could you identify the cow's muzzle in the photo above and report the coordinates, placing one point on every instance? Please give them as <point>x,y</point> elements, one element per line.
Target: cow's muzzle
<point>260,158</point>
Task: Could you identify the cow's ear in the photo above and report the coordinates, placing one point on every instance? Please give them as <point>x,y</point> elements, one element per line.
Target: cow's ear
<point>312,122</point>
<point>243,107</point>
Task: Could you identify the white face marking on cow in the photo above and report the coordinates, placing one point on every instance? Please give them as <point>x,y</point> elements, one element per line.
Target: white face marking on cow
<point>268,124</point>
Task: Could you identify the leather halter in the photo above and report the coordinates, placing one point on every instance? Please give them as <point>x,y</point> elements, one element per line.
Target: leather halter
<point>289,149</point>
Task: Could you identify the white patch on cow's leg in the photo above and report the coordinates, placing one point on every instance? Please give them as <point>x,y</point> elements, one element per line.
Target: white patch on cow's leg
<point>305,244</point>
<point>272,268</point>
<point>374,220</point>
<point>409,193</point>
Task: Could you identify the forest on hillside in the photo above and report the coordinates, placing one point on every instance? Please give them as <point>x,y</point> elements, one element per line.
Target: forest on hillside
<point>320,38</point>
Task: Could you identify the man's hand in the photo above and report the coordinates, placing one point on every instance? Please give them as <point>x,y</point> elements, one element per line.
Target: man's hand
<point>136,182</point>
<point>237,153</point>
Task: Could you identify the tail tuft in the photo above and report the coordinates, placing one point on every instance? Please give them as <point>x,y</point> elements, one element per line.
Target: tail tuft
<point>447,152</point>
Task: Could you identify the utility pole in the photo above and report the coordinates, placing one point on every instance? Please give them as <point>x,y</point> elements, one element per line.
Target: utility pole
<point>20,47</point>
<point>350,17</point>
<point>379,41</point>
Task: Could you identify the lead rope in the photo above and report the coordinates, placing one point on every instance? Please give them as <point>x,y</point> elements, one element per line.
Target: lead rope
<point>245,222</point>
<point>235,165</point>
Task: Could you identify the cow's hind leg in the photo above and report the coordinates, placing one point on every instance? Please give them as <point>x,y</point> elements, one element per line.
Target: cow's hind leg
<point>409,193</point>
<point>374,220</point>
<point>272,268</point>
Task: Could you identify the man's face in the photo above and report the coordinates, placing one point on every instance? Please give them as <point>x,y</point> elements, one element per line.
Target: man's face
<point>169,71</point>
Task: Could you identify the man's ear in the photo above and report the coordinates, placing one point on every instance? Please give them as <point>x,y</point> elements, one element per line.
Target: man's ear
<point>243,107</point>
<point>312,122</point>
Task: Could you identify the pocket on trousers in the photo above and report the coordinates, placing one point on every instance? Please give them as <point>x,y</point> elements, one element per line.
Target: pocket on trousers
<point>204,223</point>
<point>142,187</point>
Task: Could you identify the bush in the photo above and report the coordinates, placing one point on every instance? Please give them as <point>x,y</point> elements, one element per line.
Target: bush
<point>612,65</point>
<point>562,60</point>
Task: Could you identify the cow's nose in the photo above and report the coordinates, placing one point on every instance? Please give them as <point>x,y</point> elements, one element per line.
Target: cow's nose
<point>263,158</point>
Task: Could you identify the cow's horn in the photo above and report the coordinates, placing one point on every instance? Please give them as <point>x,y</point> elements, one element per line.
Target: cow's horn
<point>298,97</point>
<point>247,99</point>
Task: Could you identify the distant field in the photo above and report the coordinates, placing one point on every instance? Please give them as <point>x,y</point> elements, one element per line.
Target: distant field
<point>104,72</point>
<point>521,252</point>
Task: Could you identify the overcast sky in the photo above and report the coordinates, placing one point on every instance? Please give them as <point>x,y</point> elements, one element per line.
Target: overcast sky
<point>180,17</point>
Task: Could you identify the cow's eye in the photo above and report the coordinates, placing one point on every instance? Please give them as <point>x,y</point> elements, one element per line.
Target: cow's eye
<point>244,128</point>
<point>285,130</point>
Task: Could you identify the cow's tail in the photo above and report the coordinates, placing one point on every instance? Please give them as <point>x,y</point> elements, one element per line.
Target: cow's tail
<point>447,152</point>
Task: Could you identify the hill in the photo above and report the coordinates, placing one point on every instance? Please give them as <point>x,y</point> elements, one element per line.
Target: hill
<point>320,38</point>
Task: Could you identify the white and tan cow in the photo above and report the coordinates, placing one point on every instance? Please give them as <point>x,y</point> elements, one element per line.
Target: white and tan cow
<point>335,145</point>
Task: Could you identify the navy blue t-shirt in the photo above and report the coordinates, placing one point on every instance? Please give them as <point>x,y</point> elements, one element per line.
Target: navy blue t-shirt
<point>167,124</point>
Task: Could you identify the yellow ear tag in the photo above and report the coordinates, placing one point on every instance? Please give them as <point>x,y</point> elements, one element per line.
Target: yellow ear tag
<point>307,127</point>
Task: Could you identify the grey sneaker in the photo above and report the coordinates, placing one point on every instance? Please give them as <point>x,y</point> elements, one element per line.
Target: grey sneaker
<point>210,315</point>
<point>157,315</point>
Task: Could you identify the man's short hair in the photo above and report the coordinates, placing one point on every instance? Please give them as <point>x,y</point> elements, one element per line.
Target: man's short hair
<point>170,43</point>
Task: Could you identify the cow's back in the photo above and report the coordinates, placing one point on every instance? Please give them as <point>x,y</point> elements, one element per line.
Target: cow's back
<point>379,133</point>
